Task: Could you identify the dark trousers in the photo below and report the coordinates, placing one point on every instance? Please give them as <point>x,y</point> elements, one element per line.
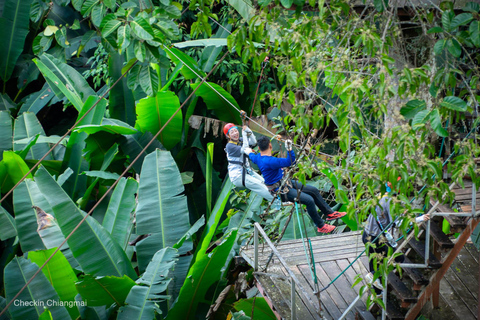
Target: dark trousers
<point>381,247</point>
<point>310,196</point>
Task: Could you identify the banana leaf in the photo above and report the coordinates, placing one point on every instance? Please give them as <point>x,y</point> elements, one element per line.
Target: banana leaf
<point>14,26</point>
<point>95,250</point>
<point>204,273</point>
<point>258,306</point>
<point>162,208</point>
<point>108,125</point>
<point>37,100</point>
<point>76,185</point>
<point>117,219</point>
<point>28,126</point>
<point>51,234</point>
<point>64,80</point>
<point>210,53</point>
<point>132,145</point>
<point>8,228</point>
<point>214,219</point>
<point>107,160</point>
<point>46,315</point>
<point>5,132</point>
<point>61,276</point>
<point>154,112</point>
<point>218,101</point>
<point>121,101</point>
<point>14,169</point>
<point>178,57</point>
<point>3,304</point>
<point>104,290</point>
<point>142,297</point>
<point>17,273</point>
<point>6,104</point>
<point>24,197</point>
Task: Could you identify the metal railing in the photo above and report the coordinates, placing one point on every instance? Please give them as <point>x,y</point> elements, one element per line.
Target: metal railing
<point>294,282</point>
<point>472,214</point>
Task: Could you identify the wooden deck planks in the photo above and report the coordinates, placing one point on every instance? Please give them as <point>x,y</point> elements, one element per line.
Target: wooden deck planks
<point>335,252</point>
<point>454,302</point>
<point>332,291</point>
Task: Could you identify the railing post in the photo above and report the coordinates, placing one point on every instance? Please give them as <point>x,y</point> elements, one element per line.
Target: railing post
<point>292,298</point>
<point>474,199</point>
<point>427,242</point>
<point>384,297</point>
<point>255,246</point>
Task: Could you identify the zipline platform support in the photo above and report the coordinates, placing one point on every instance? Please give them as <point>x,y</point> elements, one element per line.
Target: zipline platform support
<point>333,253</point>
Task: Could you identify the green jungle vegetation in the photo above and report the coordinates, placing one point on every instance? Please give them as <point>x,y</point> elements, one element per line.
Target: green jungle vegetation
<point>393,92</point>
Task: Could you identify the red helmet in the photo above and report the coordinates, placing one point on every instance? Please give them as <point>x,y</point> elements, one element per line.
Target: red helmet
<point>227,128</point>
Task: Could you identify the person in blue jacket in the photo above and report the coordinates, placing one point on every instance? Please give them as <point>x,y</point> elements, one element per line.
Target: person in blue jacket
<point>272,172</point>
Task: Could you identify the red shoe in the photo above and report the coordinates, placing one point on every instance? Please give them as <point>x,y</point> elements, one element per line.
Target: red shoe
<point>326,228</point>
<point>335,215</point>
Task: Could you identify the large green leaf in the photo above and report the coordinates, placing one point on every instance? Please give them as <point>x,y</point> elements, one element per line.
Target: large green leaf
<point>178,57</point>
<point>244,7</point>
<point>420,118</point>
<point>107,160</point>
<point>24,197</point>
<point>74,156</point>
<point>8,228</point>
<point>6,141</point>
<point>218,101</point>
<point>214,218</point>
<point>142,298</point>
<point>17,273</point>
<point>104,290</point>
<point>154,112</point>
<point>28,126</point>
<point>14,25</point>
<point>162,208</point>
<point>37,100</point>
<point>203,274</point>
<point>148,79</point>
<point>436,122</point>
<point>454,103</point>
<point>64,80</point>
<point>258,306</point>
<point>412,108</point>
<point>474,30</point>
<point>6,104</point>
<point>52,237</point>
<point>15,169</point>
<point>93,247</point>
<point>108,125</point>
<point>117,220</point>
<point>132,145</point>
<point>60,274</point>
<point>210,53</point>
<point>121,101</point>
<point>461,19</point>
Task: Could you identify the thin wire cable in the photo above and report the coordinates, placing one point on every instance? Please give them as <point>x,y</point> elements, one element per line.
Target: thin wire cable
<point>110,189</point>
<point>65,135</point>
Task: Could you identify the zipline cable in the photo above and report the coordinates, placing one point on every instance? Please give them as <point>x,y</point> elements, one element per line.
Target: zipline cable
<point>111,187</point>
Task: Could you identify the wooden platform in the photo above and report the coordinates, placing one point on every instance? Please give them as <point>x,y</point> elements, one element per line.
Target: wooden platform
<point>333,253</point>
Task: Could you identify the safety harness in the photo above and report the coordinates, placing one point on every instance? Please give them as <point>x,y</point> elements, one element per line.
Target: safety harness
<point>238,161</point>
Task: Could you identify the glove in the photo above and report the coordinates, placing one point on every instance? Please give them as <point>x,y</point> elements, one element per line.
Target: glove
<point>288,145</point>
<point>247,151</point>
<point>247,130</point>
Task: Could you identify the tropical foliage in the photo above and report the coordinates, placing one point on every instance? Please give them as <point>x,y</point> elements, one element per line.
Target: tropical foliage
<point>388,97</point>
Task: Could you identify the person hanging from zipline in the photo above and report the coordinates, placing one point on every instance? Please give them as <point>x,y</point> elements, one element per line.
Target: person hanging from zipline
<point>239,170</point>
<point>379,239</point>
<point>272,172</point>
